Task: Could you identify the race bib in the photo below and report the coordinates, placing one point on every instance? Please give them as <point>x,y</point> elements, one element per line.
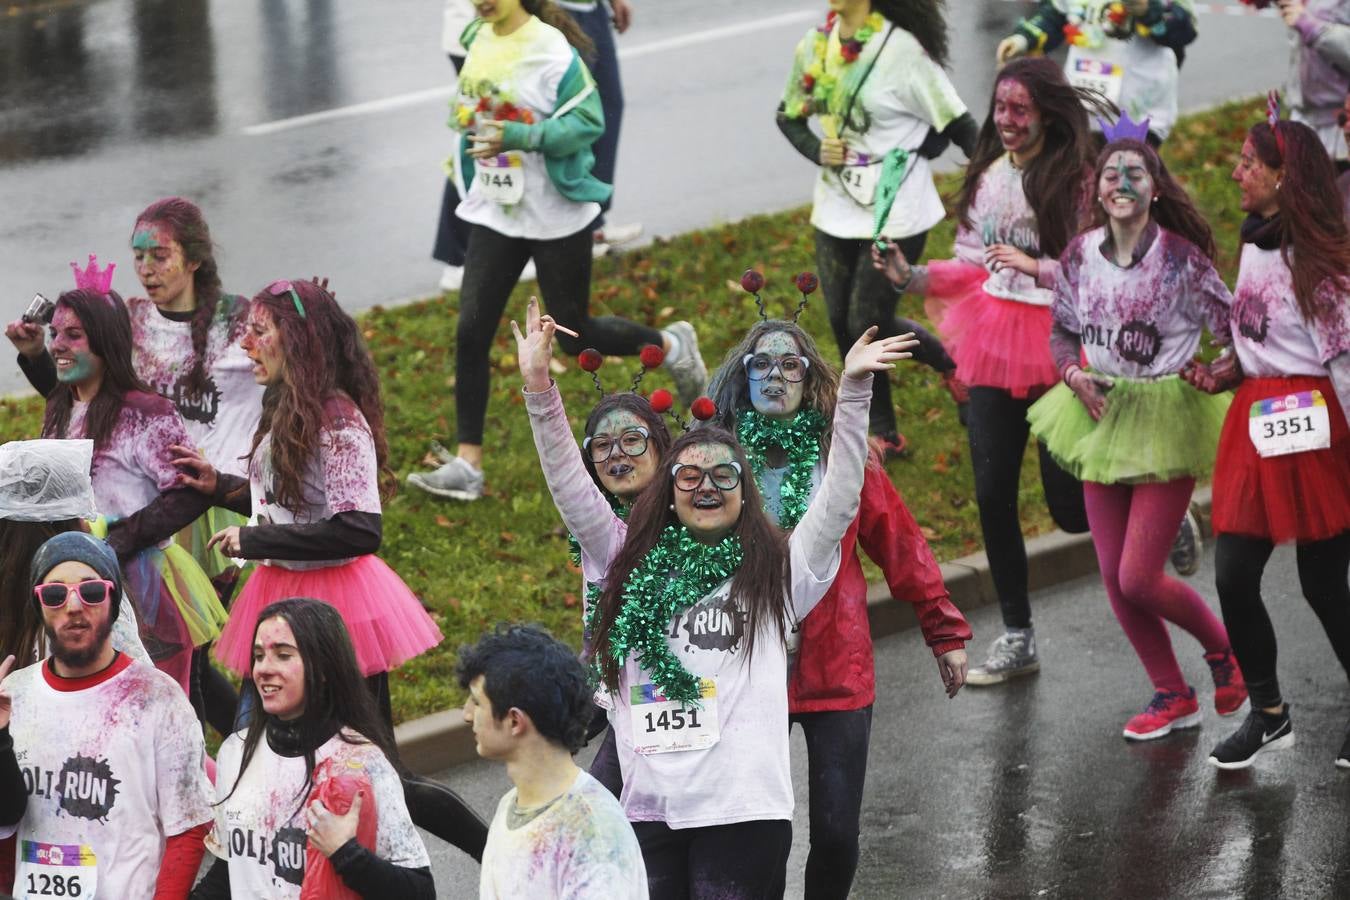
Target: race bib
<point>1294,423</point>
<point>55,870</point>
<point>668,726</point>
<point>1095,71</point>
<point>500,178</point>
<point>860,182</point>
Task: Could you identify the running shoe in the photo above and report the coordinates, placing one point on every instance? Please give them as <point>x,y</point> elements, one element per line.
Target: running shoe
<point>528,273</point>
<point>618,234</point>
<point>685,365</point>
<point>1011,654</point>
<point>452,278</point>
<point>457,480</point>
<point>1342,758</point>
<point>1230,691</point>
<point>1259,731</point>
<point>960,394</point>
<point>889,446</point>
<point>1166,711</point>
<point>1189,547</point>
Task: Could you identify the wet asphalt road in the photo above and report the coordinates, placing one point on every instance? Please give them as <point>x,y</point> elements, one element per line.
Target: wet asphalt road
<point>1028,790</point>
<point>106,105</point>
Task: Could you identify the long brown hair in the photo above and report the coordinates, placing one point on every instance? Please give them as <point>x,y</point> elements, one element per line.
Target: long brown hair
<point>551,13</point>
<point>20,621</point>
<point>759,586</point>
<point>925,19</point>
<point>1312,223</point>
<point>1173,210</point>
<point>108,328</point>
<point>730,386</point>
<point>184,222</point>
<point>658,435</point>
<point>324,358</point>
<point>1055,180</point>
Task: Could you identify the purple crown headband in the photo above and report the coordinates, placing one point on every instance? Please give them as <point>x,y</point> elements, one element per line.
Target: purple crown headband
<point>1125,129</point>
<point>91,277</point>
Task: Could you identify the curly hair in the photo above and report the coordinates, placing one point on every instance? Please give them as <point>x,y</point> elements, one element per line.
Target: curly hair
<point>108,328</point>
<point>730,387</point>
<point>526,668</point>
<point>325,357</point>
<point>925,19</point>
<point>1311,218</point>
<point>1173,210</point>
<point>759,586</point>
<point>1049,182</point>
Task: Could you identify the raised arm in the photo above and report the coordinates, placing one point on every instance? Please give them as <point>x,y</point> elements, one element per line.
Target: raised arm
<point>580,502</point>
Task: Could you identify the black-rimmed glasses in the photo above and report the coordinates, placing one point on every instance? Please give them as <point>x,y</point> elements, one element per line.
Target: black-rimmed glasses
<point>759,366</point>
<point>630,442</point>
<point>724,477</point>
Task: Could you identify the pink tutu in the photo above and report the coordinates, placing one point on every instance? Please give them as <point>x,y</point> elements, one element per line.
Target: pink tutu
<point>995,343</point>
<point>386,622</point>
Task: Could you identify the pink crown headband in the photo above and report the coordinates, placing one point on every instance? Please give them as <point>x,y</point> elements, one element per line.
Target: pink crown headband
<point>1273,117</point>
<point>1125,129</point>
<point>91,277</point>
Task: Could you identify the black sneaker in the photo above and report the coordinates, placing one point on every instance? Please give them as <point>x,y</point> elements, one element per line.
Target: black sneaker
<point>1259,731</point>
<point>1189,546</point>
<point>1343,758</point>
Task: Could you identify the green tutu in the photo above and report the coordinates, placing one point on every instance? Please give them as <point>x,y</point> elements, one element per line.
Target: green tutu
<point>196,536</point>
<point>1153,430</point>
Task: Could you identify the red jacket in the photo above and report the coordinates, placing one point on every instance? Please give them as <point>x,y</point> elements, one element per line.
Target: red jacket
<point>834,669</point>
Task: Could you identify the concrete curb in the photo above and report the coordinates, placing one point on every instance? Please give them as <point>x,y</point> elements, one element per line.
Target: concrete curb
<point>436,742</point>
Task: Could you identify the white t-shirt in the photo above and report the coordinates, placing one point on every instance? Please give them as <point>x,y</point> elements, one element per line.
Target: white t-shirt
<point>135,465</point>
<point>580,847</point>
<point>342,477</point>
<point>1269,332</point>
<point>523,69</point>
<point>1145,320</point>
<point>902,96</point>
<point>260,830</point>
<point>221,419</point>
<point>1000,214</point>
<point>112,771</point>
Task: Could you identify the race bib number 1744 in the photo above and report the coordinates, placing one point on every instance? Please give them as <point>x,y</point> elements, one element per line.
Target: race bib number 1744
<point>500,178</point>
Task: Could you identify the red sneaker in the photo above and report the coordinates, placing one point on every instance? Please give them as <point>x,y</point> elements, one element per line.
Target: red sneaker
<point>1166,711</point>
<point>960,392</point>
<point>1230,690</point>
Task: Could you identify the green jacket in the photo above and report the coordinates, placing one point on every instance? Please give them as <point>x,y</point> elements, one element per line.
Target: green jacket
<point>564,138</point>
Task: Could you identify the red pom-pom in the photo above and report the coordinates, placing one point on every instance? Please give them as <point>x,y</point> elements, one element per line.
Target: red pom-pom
<point>590,359</point>
<point>661,401</point>
<point>652,356</point>
<point>752,282</point>
<point>703,409</point>
<point>807,282</point>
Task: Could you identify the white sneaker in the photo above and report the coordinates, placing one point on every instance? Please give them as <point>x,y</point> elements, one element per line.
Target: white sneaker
<point>686,367</point>
<point>598,250</point>
<point>457,479</point>
<point>618,234</point>
<point>452,278</point>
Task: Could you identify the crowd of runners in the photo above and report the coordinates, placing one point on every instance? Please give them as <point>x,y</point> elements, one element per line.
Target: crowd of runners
<point>195,438</point>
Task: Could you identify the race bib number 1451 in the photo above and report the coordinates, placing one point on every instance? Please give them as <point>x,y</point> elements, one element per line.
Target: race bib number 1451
<point>668,726</point>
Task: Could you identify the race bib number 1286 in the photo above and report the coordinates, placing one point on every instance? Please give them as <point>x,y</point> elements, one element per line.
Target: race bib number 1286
<point>55,870</point>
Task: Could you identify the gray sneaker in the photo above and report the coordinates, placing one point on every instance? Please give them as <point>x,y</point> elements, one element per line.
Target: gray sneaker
<point>1188,548</point>
<point>686,367</point>
<point>1013,653</point>
<point>457,479</point>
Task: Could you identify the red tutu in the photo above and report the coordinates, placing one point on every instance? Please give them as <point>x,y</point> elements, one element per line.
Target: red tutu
<point>995,343</point>
<point>1299,497</point>
<point>386,622</point>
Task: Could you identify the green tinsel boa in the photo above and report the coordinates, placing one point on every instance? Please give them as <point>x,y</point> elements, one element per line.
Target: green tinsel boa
<point>800,437</point>
<point>673,576</point>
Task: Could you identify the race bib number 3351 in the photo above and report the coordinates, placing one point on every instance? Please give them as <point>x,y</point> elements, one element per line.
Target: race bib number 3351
<point>1294,423</point>
<point>668,726</point>
<point>55,870</point>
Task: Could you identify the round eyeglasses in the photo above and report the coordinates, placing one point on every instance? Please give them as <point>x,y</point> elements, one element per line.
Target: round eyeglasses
<point>724,477</point>
<point>759,366</point>
<point>631,442</point>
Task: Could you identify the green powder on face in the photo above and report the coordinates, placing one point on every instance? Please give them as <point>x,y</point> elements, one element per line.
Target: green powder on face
<point>144,239</point>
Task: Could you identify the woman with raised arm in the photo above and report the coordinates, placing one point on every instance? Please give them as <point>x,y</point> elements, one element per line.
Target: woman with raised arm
<point>1134,293</point>
<point>1020,203</point>
<point>1283,472</point>
<point>690,631</point>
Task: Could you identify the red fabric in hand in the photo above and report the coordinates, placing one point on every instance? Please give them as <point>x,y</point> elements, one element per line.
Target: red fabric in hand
<point>336,786</point>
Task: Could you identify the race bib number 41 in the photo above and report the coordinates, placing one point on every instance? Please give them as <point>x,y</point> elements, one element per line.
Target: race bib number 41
<point>55,870</point>
<point>668,726</point>
<point>500,178</point>
<point>1294,423</point>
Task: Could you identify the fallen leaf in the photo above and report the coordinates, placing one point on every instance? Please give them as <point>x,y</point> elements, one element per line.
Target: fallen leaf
<point>928,533</point>
<point>442,521</point>
<point>507,537</point>
<point>569,600</point>
<point>666,312</point>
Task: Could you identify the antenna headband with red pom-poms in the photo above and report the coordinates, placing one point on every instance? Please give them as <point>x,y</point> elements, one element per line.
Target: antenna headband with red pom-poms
<point>752,282</point>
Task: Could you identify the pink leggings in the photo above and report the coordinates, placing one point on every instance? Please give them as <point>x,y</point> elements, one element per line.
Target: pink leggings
<point>1133,526</point>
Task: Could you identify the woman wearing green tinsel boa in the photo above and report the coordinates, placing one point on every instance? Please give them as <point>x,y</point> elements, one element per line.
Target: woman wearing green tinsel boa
<point>690,630</point>
<point>776,392</point>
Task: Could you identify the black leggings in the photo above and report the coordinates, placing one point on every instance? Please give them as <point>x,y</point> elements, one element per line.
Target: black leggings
<point>1238,564</point>
<point>857,297</point>
<point>997,431</point>
<point>743,861</point>
<point>491,269</point>
<point>836,759</point>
